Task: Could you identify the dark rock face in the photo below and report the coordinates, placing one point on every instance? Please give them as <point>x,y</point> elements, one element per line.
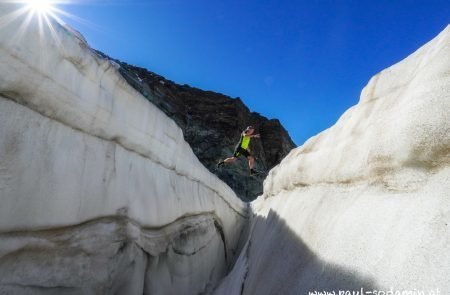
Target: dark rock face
<point>212,124</point>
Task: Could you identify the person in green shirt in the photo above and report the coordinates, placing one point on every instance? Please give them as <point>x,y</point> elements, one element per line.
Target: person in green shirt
<point>242,148</point>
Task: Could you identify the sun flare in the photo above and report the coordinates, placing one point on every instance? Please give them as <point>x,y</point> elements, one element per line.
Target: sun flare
<point>42,7</point>
<point>48,16</point>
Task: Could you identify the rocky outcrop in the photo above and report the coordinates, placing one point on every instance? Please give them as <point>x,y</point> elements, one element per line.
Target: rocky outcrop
<point>211,124</point>
<point>364,205</point>
<point>99,191</point>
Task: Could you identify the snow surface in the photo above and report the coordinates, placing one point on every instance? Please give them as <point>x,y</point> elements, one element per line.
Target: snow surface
<point>99,192</point>
<point>364,204</point>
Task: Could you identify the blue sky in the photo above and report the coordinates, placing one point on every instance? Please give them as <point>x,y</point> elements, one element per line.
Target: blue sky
<point>303,62</point>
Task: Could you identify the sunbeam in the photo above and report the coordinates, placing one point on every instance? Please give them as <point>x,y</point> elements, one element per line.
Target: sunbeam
<point>41,7</point>
<point>45,13</point>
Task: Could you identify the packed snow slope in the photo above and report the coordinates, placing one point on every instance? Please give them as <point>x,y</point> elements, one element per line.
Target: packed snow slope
<point>99,192</point>
<point>366,203</point>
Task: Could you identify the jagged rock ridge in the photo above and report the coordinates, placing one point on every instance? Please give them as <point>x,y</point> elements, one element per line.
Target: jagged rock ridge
<point>211,124</point>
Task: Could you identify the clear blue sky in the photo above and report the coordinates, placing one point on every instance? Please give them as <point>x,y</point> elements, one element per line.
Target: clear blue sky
<point>303,62</point>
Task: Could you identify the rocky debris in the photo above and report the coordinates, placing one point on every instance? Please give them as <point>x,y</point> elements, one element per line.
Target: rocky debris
<point>212,123</point>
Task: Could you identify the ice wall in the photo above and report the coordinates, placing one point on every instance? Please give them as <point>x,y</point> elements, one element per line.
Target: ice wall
<point>99,192</point>
<point>364,205</point>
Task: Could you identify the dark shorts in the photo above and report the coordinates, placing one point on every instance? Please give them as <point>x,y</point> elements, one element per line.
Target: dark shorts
<point>240,151</point>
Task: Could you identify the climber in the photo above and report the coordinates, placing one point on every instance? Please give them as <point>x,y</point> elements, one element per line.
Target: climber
<point>242,148</point>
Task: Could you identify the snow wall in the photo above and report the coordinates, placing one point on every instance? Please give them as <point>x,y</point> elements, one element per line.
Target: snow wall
<point>99,192</point>
<point>365,205</point>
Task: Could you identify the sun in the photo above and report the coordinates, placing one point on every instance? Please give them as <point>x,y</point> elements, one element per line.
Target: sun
<point>45,15</point>
<point>41,7</point>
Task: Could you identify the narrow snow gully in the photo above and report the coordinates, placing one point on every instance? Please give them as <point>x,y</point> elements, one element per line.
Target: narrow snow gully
<point>100,193</point>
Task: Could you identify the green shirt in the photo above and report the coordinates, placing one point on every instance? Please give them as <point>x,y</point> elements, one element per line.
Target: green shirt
<point>245,141</point>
